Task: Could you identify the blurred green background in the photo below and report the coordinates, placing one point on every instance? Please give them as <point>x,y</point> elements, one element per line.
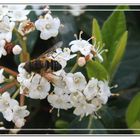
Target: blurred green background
<point>127,77</point>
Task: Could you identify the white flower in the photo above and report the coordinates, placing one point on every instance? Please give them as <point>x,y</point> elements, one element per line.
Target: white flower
<point>11,110</point>
<point>97,102</point>
<point>16,50</point>
<point>3,11</point>
<point>2,49</point>
<point>19,113</point>
<point>97,50</point>
<point>14,7</point>
<point>97,89</point>
<point>6,28</point>
<point>2,77</point>
<point>81,45</point>
<point>60,101</point>
<point>32,85</point>
<point>39,87</point>
<point>23,77</point>
<point>18,14</point>
<point>77,9</point>
<point>82,108</point>
<point>6,105</point>
<point>48,26</point>
<point>62,56</point>
<point>75,81</point>
<point>91,89</point>
<point>65,54</point>
<point>77,97</point>
<point>104,91</point>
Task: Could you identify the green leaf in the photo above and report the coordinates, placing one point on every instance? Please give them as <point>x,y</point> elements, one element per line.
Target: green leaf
<point>133,113</point>
<point>97,70</point>
<point>96,31</point>
<point>119,51</point>
<point>61,124</point>
<point>113,28</point>
<point>16,59</point>
<point>89,125</point>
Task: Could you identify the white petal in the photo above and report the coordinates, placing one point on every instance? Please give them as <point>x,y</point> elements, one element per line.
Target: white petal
<point>8,114</point>
<point>74,48</point>
<point>8,36</point>
<point>19,122</point>
<point>45,35</point>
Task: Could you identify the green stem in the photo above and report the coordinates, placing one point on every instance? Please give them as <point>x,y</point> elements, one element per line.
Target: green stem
<point>74,68</point>
<point>6,80</point>
<point>16,93</point>
<point>76,64</point>
<point>24,56</point>
<point>90,123</point>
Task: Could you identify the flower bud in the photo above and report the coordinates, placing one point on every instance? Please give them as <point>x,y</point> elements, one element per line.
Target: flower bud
<point>81,61</point>
<point>17,50</point>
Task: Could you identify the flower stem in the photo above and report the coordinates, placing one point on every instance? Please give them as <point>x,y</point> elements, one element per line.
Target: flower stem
<point>8,86</point>
<point>22,100</point>
<point>14,73</point>
<point>90,123</point>
<point>24,56</point>
<point>16,93</point>
<point>75,65</point>
<point>74,68</point>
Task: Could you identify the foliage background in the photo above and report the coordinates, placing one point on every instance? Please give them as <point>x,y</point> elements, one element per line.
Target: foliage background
<point>127,76</point>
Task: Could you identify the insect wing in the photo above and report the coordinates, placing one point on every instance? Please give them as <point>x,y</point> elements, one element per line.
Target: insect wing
<point>50,51</point>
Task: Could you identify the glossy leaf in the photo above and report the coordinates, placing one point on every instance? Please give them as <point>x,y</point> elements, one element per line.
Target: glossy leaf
<point>113,28</point>
<point>119,52</point>
<point>97,70</point>
<point>133,113</point>
<point>96,31</point>
<point>88,125</point>
<point>61,124</point>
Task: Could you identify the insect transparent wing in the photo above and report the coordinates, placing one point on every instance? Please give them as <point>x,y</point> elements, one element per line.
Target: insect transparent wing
<point>48,52</point>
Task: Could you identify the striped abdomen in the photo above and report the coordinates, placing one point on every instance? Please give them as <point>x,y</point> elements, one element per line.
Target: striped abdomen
<point>38,64</point>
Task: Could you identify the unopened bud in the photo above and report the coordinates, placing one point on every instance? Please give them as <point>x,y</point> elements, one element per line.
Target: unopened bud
<point>17,50</point>
<point>81,61</point>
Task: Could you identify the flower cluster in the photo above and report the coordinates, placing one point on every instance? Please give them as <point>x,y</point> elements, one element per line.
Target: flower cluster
<point>71,90</point>
<point>10,15</point>
<point>12,111</point>
<point>66,88</point>
<point>14,18</point>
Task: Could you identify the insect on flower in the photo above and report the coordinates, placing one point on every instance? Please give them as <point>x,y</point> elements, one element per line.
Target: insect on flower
<point>44,63</point>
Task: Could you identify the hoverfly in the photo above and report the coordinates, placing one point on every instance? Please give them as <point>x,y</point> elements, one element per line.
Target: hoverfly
<point>44,63</point>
